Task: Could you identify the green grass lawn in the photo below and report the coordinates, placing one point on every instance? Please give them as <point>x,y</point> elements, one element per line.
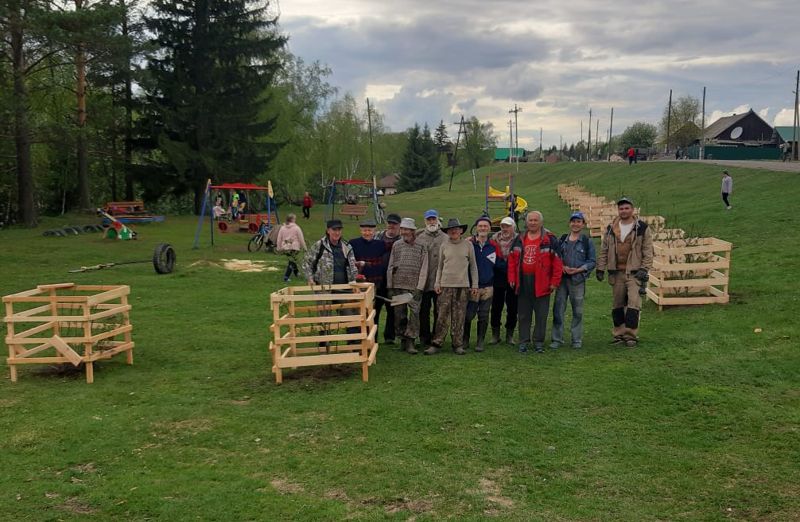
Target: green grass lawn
<point>700,422</point>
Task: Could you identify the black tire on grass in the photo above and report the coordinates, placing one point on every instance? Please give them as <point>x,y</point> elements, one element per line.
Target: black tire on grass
<point>70,231</point>
<point>164,258</point>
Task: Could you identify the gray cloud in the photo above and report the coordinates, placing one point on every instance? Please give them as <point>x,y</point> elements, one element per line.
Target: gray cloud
<point>475,58</point>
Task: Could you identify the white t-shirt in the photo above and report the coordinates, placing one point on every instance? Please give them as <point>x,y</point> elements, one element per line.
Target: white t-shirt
<point>624,230</point>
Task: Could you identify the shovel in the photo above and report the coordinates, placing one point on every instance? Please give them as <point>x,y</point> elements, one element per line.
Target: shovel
<point>399,299</point>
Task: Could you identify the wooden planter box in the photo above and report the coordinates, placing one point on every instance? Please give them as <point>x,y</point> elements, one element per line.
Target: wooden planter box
<point>692,271</point>
<point>68,323</point>
<point>309,327</point>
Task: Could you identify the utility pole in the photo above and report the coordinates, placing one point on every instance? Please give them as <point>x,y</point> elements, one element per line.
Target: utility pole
<point>541,150</point>
<point>597,139</point>
<point>796,122</point>
<point>371,156</point>
<point>462,128</point>
<point>669,117</point>
<point>560,146</point>
<point>510,139</point>
<point>610,133</point>
<point>516,111</point>
<point>703,128</point>
<point>581,137</point>
<point>589,141</point>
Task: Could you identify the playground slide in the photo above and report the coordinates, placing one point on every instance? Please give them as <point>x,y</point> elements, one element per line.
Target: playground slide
<point>522,205</point>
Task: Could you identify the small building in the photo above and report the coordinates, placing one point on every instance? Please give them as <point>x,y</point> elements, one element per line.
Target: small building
<point>388,184</point>
<point>501,154</point>
<point>743,136</point>
<point>786,134</point>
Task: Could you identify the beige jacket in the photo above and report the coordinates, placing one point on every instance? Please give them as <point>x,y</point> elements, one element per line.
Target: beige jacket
<point>641,255</point>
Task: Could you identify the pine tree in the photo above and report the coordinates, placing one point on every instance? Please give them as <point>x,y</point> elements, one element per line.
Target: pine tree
<point>210,112</point>
<point>413,174</point>
<point>440,137</point>
<point>430,152</point>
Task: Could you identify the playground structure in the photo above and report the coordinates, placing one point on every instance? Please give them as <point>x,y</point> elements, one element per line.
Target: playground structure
<point>128,212</point>
<point>69,319</point>
<point>246,219</point>
<point>351,206</point>
<point>310,334</point>
<point>507,198</point>
<point>114,228</point>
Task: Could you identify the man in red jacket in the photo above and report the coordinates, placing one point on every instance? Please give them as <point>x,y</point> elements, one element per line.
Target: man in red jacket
<point>307,204</point>
<point>534,272</point>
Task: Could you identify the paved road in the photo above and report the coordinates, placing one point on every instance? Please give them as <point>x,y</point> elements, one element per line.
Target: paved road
<point>779,166</point>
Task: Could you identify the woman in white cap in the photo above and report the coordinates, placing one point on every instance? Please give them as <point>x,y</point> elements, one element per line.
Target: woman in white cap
<point>503,294</point>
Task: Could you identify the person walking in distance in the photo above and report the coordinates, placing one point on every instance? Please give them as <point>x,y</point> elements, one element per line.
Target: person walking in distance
<point>290,241</point>
<point>407,272</point>
<point>432,238</point>
<point>307,204</point>
<point>534,272</point>
<point>727,188</point>
<point>626,252</point>
<point>502,294</point>
<point>456,281</point>
<point>631,156</point>
<point>578,256</point>
<point>480,304</point>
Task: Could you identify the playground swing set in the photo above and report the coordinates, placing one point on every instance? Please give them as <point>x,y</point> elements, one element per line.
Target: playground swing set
<point>353,190</point>
<point>244,218</point>
<point>512,204</point>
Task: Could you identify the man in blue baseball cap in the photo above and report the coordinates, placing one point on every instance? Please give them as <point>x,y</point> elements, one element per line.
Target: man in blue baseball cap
<point>578,254</point>
<point>432,238</point>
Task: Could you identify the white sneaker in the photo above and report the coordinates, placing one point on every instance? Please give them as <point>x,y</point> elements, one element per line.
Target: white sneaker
<point>729,207</point>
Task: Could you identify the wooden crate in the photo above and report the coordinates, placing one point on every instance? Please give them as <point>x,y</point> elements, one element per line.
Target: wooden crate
<point>690,271</point>
<point>68,323</point>
<point>308,328</point>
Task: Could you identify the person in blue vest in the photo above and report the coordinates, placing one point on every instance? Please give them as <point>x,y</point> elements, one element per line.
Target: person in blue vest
<point>370,255</point>
<point>579,259</point>
<point>481,302</point>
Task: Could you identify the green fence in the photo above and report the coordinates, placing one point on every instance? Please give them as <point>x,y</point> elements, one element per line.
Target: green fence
<point>735,153</point>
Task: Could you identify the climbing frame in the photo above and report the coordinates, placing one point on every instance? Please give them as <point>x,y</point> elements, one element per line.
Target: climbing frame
<point>68,323</point>
<point>323,325</point>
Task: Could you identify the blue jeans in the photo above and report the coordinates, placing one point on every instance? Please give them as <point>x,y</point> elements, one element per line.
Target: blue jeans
<point>575,293</point>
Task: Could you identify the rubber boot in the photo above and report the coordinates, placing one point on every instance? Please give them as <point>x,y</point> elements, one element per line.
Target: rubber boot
<point>408,346</point>
<point>495,335</point>
<point>482,327</point>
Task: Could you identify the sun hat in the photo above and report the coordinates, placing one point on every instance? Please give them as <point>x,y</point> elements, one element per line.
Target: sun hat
<point>408,223</point>
<point>454,223</point>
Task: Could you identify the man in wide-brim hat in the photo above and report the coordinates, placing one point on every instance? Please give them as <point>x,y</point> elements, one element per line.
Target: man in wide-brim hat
<point>456,280</point>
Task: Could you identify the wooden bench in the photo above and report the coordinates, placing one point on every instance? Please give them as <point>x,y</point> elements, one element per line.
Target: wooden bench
<point>353,211</point>
<point>116,208</point>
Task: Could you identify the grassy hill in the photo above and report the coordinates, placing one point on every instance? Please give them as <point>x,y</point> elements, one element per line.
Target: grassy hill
<point>700,422</point>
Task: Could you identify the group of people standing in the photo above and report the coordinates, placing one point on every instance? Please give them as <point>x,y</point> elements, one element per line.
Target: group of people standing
<point>455,279</point>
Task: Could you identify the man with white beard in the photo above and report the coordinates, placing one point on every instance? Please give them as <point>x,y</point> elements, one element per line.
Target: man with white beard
<point>432,238</point>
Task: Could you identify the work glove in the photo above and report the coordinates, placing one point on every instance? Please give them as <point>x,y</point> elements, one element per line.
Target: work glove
<point>641,275</point>
<point>600,275</point>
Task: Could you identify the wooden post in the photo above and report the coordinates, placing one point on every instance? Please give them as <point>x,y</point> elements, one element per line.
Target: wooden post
<point>87,345</point>
<point>11,347</point>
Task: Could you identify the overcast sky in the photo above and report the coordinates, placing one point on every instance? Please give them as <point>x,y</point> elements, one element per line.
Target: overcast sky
<point>429,60</point>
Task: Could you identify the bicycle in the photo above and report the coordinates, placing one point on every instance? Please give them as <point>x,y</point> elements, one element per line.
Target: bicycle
<point>261,239</point>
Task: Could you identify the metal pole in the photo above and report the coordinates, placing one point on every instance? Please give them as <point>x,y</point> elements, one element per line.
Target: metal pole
<point>796,122</point>
<point>669,118</point>
<point>589,141</point>
<point>455,153</point>
<point>703,128</point>
<point>371,156</point>
<point>610,133</point>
